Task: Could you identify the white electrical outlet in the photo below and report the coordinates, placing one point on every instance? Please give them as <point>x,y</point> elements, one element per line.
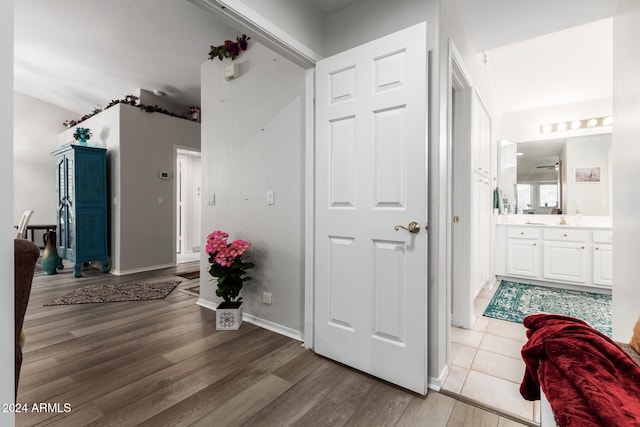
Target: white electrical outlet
<point>266,297</point>
<point>270,197</point>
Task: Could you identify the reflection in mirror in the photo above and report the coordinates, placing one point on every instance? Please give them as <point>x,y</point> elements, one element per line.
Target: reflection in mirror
<point>569,175</point>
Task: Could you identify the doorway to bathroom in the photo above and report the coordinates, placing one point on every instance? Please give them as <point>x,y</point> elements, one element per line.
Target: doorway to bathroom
<point>188,197</point>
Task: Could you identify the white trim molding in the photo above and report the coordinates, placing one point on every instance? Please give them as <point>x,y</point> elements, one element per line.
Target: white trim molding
<point>309,209</point>
<point>263,30</point>
<point>141,269</point>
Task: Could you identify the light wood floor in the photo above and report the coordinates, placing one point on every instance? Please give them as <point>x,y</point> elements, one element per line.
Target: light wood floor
<point>162,363</point>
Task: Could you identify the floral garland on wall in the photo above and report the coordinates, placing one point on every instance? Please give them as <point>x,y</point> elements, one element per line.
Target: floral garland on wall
<point>229,49</point>
<point>132,100</point>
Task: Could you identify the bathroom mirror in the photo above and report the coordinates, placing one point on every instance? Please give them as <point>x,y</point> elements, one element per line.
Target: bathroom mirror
<point>564,175</point>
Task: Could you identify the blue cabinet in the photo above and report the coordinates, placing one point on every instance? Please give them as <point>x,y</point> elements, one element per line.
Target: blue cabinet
<point>82,205</point>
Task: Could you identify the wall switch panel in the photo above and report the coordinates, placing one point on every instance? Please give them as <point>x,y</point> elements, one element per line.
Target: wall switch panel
<point>270,197</point>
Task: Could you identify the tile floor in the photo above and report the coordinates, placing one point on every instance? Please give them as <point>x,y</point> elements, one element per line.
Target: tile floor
<point>486,364</point>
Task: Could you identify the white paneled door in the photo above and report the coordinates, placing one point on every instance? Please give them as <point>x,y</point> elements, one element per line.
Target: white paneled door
<point>370,275</point>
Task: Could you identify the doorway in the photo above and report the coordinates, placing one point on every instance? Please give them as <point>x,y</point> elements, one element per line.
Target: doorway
<point>188,198</point>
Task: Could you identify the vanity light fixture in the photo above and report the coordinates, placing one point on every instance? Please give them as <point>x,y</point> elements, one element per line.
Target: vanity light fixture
<point>577,124</point>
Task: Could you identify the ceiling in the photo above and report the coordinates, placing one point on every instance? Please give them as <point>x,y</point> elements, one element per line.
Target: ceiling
<point>80,54</point>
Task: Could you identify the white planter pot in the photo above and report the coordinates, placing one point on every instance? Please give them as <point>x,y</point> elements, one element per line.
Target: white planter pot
<point>228,319</point>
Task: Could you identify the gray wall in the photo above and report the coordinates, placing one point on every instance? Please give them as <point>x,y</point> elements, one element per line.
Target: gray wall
<point>252,142</point>
<point>36,127</point>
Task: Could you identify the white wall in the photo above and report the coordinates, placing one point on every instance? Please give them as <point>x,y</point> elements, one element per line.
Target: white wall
<point>590,198</point>
<point>36,126</point>
<point>253,141</point>
<point>368,20</point>
<point>7,233</point>
<point>300,19</point>
<point>626,173</point>
<point>140,145</point>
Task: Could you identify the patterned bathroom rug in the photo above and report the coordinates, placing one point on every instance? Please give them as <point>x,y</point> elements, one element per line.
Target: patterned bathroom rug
<point>514,301</point>
<point>117,292</point>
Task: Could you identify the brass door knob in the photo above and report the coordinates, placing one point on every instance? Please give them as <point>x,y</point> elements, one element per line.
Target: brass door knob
<point>412,228</point>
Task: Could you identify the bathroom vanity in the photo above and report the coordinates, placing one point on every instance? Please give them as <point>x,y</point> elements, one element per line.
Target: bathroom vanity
<point>539,250</point>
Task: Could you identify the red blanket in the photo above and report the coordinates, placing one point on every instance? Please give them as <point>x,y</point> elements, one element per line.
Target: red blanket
<point>588,379</point>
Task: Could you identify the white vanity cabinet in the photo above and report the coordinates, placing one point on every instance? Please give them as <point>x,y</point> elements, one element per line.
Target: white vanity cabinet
<point>523,253</point>
<point>565,255</point>
<point>556,254</point>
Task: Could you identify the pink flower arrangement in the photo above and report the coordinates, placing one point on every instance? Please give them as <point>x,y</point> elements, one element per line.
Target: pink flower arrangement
<point>227,264</point>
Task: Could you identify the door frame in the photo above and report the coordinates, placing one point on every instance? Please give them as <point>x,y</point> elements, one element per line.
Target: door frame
<point>174,172</point>
<point>458,78</point>
<point>309,208</point>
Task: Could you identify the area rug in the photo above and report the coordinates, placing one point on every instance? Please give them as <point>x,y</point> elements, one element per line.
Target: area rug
<point>190,275</point>
<point>192,290</point>
<point>117,292</point>
<point>514,301</point>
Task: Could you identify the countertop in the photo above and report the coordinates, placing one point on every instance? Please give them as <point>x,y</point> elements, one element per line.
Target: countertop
<point>553,221</point>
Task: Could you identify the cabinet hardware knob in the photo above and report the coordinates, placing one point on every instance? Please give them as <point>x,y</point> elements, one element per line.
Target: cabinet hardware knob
<point>522,233</point>
<point>535,244</point>
<point>564,235</point>
<point>597,248</point>
<point>582,247</point>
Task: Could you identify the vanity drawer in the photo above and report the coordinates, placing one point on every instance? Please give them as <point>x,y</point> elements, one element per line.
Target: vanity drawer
<point>603,236</point>
<point>567,235</point>
<point>522,233</point>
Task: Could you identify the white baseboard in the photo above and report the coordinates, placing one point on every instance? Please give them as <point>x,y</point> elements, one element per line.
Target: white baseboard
<point>265,324</point>
<point>437,383</point>
<point>274,327</point>
<point>141,269</point>
<point>208,304</point>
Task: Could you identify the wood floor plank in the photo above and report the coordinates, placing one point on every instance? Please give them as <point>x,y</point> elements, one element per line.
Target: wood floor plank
<point>200,404</point>
<point>338,405</point>
<point>465,415</point>
<point>299,399</point>
<point>433,410</point>
<point>243,406</point>
<point>383,406</point>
